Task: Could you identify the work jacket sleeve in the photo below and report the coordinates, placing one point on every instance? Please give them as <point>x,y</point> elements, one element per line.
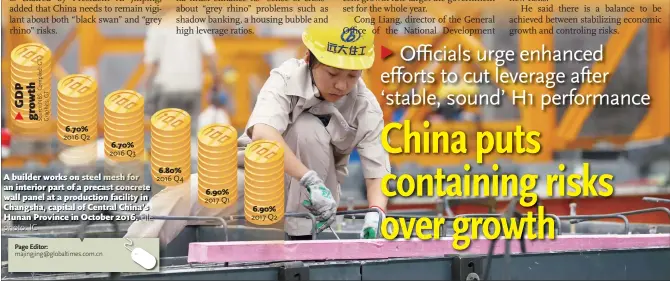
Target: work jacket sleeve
<point>273,105</point>
<point>374,158</point>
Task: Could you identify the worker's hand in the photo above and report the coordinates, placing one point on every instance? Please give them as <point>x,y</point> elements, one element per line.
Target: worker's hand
<point>371,225</point>
<point>321,202</point>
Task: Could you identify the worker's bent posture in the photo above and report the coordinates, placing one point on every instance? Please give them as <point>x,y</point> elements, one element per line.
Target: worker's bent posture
<point>320,109</point>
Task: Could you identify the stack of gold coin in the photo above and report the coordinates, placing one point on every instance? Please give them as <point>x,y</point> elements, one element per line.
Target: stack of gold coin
<point>30,98</point>
<point>217,166</point>
<point>124,126</point>
<point>77,110</point>
<point>170,147</point>
<point>264,182</point>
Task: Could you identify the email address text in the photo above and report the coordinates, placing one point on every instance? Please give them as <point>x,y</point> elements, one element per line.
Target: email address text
<point>51,254</point>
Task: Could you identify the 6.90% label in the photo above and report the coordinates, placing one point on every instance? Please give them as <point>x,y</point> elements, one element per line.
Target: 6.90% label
<point>264,217</point>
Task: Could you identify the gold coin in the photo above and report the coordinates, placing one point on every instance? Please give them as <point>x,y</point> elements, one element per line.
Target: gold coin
<point>221,169</point>
<point>218,172</point>
<point>30,55</point>
<point>279,165</point>
<point>263,152</point>
<point>215,179</point>
<point>137,126</point>
<point>264,190</point>
<point>124,129</point>
<point>165,154</point>
<point>81,120</point>
<point>43,66</point>
<point>38,78</point>
<point>170,142</point>
<point>217,136</point>
<point>76,86</point>
<point>82,108</point>
<point>137,138</point>
<point>16,74</point>
<point>108,135</point>
<point>218,157</point>
<point>261,175</point>
<point>222,159</point>
<point>171,120</point>
<point>210,182</point>
<point>274,181</point>
<point>180,162</point>
<point>212,163</point>
<point>123,103</point>
<point>265,177</point>
<point>263,198</point>
<point>129,118</point>
<point>173,150</point>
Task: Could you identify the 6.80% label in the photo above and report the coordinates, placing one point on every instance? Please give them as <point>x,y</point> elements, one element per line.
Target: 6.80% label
<point>174,178</point>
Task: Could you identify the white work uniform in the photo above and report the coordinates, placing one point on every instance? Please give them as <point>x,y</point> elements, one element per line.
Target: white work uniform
<point>288,102</point>
<point>179,75</point>
<point>213,115</point>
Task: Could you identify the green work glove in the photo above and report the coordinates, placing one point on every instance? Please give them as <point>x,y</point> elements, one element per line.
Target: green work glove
<point>320,202</point>
<point>370,226</point>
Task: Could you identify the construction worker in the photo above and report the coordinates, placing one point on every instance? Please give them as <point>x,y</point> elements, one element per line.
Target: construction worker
<point>320,109</point>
